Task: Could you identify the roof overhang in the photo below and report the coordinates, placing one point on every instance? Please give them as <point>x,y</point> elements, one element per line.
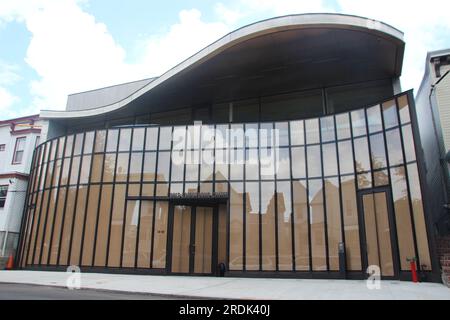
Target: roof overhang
<point>303,51</point>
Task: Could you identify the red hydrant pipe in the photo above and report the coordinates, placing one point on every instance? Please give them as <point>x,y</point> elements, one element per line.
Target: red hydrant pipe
<point>415,279</point>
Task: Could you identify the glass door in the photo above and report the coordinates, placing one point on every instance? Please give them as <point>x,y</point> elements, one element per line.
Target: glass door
<point>191,249</point>
<point>378,232</point>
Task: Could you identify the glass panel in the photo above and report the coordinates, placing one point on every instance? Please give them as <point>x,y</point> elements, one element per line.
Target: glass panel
<point>251,164</point>
<point>351,224</point>
<point>329,159</point>
<point>268,226</point>
<point>374,119</point>
<point>408,143</point>
<point>150,166</point>
<point>75,170</point>
<point>61,146</point>
<point>203,240</point>
<point>163,166</point>
<point>343,126</point>
<point>314,161</point>
<point>85,168</point>
<point>394,146</point>
<point>221,159</point>
<point>222,136</point>
<point>419,217</point>
<point>109,167</point>
<point>67,226</point>
<point>390,114</point>
<point>207,166</point>
<point>165,138</point>
<point>362,155</point>
<point>298,162</point>
<point>115,239</point>
<point>236,226</point>
<point>364,181</point>
<point>283,133</point>
<point>160,237</point>
<point>97,168</point>
<point>111,143</point>
<point>122,167</point>
<point>312,131</point>
<point>345,157</point>
<point>162,189</point>
<point>237,164</point>
<point>100,141</point>
<point>252,226</point>
<point>78,144</point>
<point>57,229</point>
<point>301,226</point>
<point>317,225</point>
<point>358,123</point>
<point>138,139</point>
<point>327,128</point>
<point>69,146</point>
<point>283,169</point>
<point>192,163</point>
<point>297,133</point>
<point>129,239</point>
<point>193,137</point>
<point>144,233</point>
<point>91,222</point>
<point>181,239</point>
<point>177,165</point>
<point>237,136</point>
<point>78,225</point>
<point>65,171</point>
<point>284,226</point>
<point>88,142</point>
<point>48,226</point>
<point>333,221</point>
<point>135,167</point>
<point>152,138</point>
<point>378,236</point>
<point>403,107</point>
<point>378,151</point>
<point>207,137</point>
<point>125,140</point>
<point>402,216</point>
<point>381,178</point>
<point>103,226</point>
<point>251,135</point>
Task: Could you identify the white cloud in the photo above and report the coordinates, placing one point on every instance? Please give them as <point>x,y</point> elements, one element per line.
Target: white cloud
<point>183,39</point>
<point>6,99</point>
<point>72,52</point>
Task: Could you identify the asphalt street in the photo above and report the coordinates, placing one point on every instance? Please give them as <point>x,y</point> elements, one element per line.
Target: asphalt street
<point>32,292</point>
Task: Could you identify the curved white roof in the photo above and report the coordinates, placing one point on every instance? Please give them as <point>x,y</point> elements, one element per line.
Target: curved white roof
<point>284,23</point>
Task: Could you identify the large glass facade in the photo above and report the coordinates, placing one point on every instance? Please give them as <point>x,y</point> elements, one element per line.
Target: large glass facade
<point>103,198</point>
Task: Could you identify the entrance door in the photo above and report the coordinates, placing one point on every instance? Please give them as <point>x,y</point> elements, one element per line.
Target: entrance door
<point>378,232</point>
<point>191,249</point>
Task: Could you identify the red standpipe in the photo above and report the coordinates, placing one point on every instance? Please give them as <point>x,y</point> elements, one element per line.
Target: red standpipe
<point>415,279</point>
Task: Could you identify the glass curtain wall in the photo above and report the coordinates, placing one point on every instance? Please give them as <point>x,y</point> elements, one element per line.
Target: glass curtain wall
<point>98,198</point>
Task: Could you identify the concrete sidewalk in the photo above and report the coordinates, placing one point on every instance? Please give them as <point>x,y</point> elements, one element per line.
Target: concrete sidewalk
<point>235,288</point>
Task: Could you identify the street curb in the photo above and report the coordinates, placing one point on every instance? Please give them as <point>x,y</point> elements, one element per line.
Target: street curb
<point>138,293</point>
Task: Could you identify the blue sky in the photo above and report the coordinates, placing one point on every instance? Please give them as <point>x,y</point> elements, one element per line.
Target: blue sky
<point>51,48</point>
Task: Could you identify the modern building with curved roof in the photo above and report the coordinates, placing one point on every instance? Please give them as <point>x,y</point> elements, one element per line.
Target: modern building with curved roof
<point>285,148</point>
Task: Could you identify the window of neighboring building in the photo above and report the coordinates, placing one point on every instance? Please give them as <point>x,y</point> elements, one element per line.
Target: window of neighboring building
<point>3,192</point>
<point>2,147</point>
<point>19,150</point>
